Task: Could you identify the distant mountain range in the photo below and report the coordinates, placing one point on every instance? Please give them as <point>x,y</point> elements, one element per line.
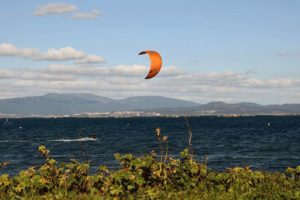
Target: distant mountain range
<point>244,108</point>
<point>66,104</point>
<point>70,104</point>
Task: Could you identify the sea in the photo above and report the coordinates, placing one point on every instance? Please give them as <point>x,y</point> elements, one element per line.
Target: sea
<point>262,142</point>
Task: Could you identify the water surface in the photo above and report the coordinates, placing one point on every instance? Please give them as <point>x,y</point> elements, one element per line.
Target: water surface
<point>262,142</point>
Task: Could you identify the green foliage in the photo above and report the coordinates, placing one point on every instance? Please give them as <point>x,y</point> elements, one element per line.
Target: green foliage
<point>147,177</point>
<point>294,173</point>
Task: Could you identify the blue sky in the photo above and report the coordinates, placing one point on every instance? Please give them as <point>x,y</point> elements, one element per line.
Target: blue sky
<point>253,44</point>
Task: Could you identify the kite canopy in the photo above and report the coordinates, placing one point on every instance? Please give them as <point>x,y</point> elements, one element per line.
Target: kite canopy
<point>155,65</point>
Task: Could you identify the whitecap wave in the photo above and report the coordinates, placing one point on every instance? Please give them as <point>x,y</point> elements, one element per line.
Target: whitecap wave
<point>83,139</point>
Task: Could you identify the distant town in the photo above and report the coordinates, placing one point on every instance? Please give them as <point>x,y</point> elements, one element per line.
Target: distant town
<point>127,114</point>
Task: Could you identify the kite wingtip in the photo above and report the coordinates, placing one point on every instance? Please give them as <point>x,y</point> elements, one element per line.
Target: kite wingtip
<point>143,52</point>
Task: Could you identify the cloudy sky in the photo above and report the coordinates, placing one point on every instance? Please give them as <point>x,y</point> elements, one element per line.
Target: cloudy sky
<point>232,51</point>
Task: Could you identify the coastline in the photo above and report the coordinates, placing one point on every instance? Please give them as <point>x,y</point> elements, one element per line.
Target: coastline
<point>142,115</point>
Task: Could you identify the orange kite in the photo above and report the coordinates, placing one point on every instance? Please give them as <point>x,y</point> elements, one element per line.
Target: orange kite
<point>156,63</point>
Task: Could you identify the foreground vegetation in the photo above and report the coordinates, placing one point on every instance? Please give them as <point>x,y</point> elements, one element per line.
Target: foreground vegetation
<point>148,177</point>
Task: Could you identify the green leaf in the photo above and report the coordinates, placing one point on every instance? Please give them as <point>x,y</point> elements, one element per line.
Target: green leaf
<point>117,156</point>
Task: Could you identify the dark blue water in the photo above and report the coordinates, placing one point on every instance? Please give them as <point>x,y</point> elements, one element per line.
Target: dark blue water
<point>227,141</point>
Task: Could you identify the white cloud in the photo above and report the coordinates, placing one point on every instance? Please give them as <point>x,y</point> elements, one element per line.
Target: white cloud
<point>55,8</point>
<point>87,15</point>
<point>91,59</point>
<point>32,75</point>
<point>65,8</point>
<point>10,50</point>
<point>61,54</point>
<point>128,80</point>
